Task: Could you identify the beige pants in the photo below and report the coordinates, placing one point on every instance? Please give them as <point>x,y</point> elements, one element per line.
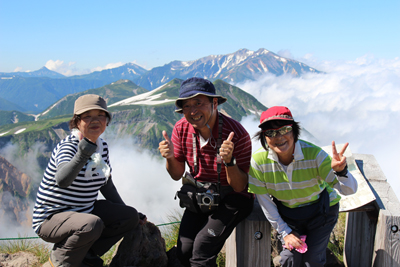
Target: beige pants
<point>74,234</point>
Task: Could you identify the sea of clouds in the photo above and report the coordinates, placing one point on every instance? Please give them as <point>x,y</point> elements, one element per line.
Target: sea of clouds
<point>353,101</point>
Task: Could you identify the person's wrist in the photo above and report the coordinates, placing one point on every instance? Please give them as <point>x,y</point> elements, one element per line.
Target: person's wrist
<point>342,173</point>
<point>231,163</point>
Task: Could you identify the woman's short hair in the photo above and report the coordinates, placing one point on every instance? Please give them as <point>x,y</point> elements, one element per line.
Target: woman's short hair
<point>73,123</point>
<point>266,126</point>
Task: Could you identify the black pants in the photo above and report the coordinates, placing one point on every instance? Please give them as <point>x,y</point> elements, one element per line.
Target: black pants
<point>318,231</point>
<point>201,236</point>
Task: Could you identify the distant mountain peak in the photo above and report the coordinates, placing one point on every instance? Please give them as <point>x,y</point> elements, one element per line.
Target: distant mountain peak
<point>36,94</point>
<point>45,72</point>
<point>42,72</point>
<point>121,81</point>
<point>234,68</point>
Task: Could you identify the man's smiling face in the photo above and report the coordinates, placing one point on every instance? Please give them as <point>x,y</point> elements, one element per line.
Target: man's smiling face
<point>198,110</point>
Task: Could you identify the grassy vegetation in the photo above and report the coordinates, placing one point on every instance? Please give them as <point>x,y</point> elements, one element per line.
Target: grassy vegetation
<point>107,257</point>
<point>35,246</point>
<point>336,242</point>
<point>32,126</point>
<point>41,249</point>
<point>170,232</point>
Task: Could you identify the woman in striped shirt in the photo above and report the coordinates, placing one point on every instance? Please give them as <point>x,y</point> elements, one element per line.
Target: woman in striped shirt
<point>67,211</point>
<point>294,183</point>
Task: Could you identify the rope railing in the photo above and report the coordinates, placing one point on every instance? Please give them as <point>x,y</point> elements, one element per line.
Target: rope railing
<point>35,237</point>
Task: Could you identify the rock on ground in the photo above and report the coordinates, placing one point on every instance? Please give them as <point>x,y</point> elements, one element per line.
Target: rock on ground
<point>19,259</point>
<point>142,247</point>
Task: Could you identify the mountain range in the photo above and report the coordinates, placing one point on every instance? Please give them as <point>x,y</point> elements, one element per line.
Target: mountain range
<point>141,103</point>
<point>33,92</point>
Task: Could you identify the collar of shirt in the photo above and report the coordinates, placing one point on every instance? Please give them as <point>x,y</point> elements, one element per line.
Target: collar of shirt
<point>298,153</point>
<point>202,141</point>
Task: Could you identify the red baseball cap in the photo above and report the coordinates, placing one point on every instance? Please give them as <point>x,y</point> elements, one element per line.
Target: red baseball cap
<point>276,113</point>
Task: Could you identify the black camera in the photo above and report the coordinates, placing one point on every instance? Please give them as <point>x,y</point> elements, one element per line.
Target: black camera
<point>208,198</point>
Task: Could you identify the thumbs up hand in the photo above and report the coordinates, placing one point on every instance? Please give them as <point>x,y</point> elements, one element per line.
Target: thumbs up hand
<point>166,146</point>
<point>227,148</point>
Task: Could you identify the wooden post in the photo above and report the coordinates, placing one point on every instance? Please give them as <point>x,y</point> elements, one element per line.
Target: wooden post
<point>372,234</point>
<point>359,239</point>
<point>249,245</point>
<point>387,240</point>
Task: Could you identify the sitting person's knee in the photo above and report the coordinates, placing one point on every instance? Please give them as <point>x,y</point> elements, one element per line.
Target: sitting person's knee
<point>94,227</point>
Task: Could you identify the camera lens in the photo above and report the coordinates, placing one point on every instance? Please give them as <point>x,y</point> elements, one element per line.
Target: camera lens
<point>207,200</point>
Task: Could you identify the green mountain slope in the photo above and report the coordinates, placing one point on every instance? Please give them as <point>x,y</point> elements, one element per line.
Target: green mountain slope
<point>9,106</point>
<point>142,117</point>
<point>8,117</point>
<point>111,93</point>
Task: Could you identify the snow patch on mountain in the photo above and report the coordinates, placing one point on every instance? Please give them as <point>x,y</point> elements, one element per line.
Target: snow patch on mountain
<point>132,71</point>
<point>187,63</point>
<point>1,134</point>
<point>20,131</point>
<point>149,98</point>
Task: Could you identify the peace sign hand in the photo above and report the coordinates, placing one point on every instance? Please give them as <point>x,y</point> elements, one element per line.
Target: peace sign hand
<point>338,162</point>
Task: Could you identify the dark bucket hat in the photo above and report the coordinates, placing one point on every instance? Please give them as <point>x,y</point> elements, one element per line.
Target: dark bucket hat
<point>193,87</point>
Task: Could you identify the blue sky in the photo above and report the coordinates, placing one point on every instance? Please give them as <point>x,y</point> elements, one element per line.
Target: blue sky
<point>82,36</point>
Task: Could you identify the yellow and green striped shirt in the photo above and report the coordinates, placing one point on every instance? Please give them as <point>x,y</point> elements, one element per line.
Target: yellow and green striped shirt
<point>300,185</point>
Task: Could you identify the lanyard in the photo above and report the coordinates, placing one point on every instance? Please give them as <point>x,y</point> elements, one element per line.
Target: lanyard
<point>219,160</point>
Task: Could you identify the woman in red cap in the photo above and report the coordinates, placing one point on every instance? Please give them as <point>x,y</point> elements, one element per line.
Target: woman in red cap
<point>295,183</point>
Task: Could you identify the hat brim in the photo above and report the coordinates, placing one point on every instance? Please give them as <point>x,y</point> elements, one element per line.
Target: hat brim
<point>91,107</point>
<point>178,102</point>
<point>274,119</point>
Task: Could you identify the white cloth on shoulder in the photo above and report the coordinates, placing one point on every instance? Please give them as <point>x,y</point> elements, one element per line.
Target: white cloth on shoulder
<point>96,165</point>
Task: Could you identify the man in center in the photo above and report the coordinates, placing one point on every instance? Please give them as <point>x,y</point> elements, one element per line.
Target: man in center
<point>195,141</point>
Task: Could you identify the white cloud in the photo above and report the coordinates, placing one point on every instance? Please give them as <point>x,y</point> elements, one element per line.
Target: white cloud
<point>18,69</point>
<point>285,53</point>
<point>354,101</point>
<point>59,66</point>
<point>142,179</point>
<point>108,66</point>
<point>70,69</point>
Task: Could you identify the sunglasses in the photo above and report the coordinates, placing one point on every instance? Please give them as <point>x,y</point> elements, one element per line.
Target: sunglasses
<point>283,130</point>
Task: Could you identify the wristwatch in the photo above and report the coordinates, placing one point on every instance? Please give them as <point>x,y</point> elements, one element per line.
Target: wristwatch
<point>232,163</point>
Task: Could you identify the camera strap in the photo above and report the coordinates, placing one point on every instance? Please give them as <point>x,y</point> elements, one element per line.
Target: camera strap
<point>219,159</point>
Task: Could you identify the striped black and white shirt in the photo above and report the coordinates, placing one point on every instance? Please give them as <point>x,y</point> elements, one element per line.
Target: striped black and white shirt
<point>80,196</point>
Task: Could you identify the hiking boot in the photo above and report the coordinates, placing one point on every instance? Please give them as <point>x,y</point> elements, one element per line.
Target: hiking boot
<point>92,260</point>
<point>54,262</point>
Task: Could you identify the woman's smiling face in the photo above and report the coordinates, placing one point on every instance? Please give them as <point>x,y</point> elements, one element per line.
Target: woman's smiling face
<point>92,124</point>
<point>283,145</point>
